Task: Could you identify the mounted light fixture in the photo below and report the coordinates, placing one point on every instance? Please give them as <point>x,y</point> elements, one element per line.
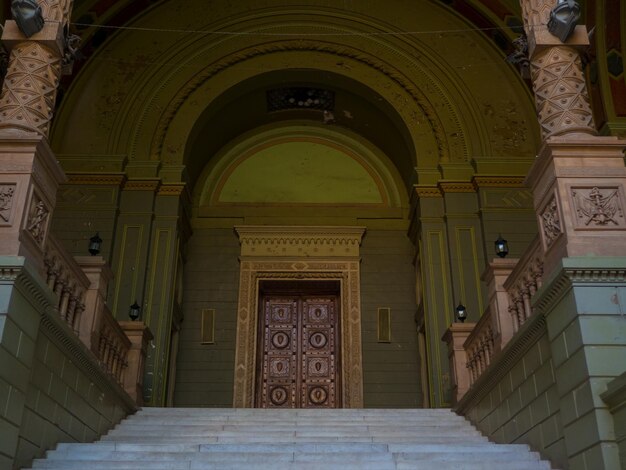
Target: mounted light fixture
<point>502,247</point>
<point>461,312</point>
<point>95,243</point>
<point>563,19</point>
<point>134,312</point>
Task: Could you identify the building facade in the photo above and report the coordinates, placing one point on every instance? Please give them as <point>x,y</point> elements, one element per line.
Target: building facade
<point>297,196</point>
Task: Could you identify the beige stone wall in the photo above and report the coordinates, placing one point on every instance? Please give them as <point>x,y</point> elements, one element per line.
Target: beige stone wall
<point>518,401</point>
<point>205,372</point>
<point>52,389</point>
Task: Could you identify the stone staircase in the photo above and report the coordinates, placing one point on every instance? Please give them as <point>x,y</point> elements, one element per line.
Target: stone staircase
<point>347,439</point>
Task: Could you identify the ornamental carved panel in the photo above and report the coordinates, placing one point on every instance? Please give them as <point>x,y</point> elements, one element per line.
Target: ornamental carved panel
<point>38,218</point>
<point>598,207</point>
<point>550,221</point>
<point>298,357</point>
<point>7,194</point>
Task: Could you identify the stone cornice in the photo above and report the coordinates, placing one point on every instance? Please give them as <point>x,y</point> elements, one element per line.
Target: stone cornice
<point>96,179</point>
<point>578,271</point>
<point>143,185</point>
<point>498,182</point>
<point>299,241</point>
<point>428,191</point>
<point>457,187</point>
<point>501,363</point>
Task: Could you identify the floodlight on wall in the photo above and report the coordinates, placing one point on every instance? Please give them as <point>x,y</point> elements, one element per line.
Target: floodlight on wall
<point>134,312</point>
<point>502,247</point>
<point>95,243</point>
<point>461,312</point>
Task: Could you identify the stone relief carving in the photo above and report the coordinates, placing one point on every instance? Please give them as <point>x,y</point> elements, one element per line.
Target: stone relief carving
<point>551,222</point>
<point>38,220</point>
<point>598,207</point>
<point>7,191</point>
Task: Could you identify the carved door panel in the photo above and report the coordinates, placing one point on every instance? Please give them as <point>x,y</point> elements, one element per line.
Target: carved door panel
<point>299,352</point>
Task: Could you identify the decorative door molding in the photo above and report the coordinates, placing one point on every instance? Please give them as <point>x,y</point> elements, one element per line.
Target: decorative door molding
<point>299,253</point>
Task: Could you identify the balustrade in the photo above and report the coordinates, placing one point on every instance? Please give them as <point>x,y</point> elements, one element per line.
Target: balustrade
<point>523,282</point>
<point>65,278</point>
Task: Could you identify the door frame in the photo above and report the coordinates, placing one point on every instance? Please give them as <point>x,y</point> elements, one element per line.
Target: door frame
<point>299,253</point>
<point>299,290</point>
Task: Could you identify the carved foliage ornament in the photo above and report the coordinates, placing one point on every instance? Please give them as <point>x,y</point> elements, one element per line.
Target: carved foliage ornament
<point>551,222</point>
<point>598,207</point>
<point>37,220</point>
<point>6,202</point>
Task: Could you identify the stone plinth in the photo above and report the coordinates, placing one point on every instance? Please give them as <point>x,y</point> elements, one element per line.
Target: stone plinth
<point>99,274</point>
<point>29,178</point>
<point>579,190</point>
<point>494,276</point>
<point>140,336</point>
<point>455,337</point>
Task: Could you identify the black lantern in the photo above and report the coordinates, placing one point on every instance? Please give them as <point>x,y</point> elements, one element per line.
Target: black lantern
<point>461,312</point>
<point>134,312</point>
<point>563,19</point>
<point>95,243</point>
<point>502,247</point>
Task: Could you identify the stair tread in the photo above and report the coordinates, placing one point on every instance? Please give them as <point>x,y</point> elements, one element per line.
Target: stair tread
<point>195,439</point>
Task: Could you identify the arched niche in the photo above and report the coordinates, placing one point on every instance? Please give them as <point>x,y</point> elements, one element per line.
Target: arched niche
<point>318,169</point>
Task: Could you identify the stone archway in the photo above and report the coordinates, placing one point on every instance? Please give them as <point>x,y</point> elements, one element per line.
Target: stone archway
<point>302,253</point>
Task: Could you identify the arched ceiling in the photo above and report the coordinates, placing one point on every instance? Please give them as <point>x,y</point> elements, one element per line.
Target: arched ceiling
<point>413,78</point>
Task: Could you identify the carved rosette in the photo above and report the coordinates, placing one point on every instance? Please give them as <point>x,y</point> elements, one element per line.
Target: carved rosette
<point>551,223</point>
<point>30,87</point>
<point>560,92</point>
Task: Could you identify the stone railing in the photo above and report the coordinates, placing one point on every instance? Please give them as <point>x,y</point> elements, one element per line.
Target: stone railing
<point>113,347</point>
<point>67,280</point>
<point>80,285</point>
<point>523,282</point>
<point>511,284</point>
<point>479,346</point>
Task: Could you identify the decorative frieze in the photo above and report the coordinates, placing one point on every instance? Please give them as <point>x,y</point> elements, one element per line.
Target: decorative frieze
<point>300,241</point>
<point>598,207</point>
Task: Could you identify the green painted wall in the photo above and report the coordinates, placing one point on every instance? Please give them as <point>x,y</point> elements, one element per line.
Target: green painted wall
<point>390,370</point>
<point>211,276</point>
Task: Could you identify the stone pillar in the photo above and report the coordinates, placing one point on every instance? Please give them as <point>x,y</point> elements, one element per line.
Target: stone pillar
<point>429,233</point>
<point>99,274</point>
<point>498,300</point>
<point>140,336</point>
<point>455,337</point>
<point>584,302</point>
<point>30,86</point>
<point>561,94</point>
<point>29,178</point>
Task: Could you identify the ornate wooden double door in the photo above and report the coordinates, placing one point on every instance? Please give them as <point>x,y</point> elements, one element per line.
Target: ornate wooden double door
<point>299,351</point>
